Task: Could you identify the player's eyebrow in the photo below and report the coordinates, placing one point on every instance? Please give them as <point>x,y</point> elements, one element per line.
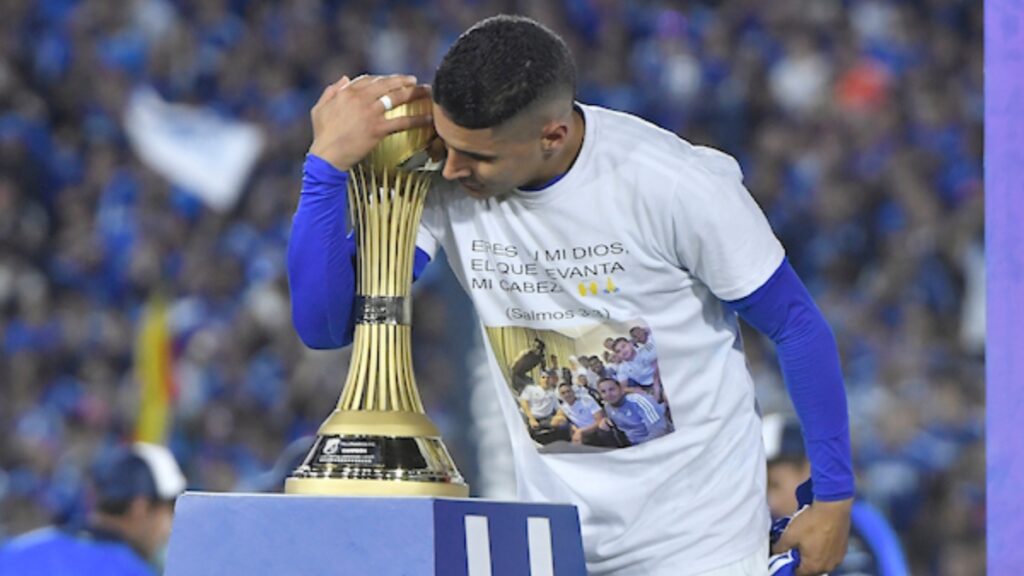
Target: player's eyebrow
<point>474,155</point>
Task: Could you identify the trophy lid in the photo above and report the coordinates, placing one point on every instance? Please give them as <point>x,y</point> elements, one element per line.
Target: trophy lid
<point>406,149</point>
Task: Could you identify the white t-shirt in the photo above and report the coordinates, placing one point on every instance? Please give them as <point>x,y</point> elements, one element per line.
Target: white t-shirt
<point>582,412</point>
<point>542,402</point>
<point>644,230</point>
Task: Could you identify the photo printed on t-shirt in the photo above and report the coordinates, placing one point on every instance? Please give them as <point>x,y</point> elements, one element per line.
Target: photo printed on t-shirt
<point>584,389</point>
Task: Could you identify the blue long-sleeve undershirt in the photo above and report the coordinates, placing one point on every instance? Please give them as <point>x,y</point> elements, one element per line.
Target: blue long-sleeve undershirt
<point>321,258</point>
<point>783,310</point>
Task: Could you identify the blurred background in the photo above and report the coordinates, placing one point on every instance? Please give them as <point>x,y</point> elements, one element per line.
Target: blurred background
<point>150,161</point>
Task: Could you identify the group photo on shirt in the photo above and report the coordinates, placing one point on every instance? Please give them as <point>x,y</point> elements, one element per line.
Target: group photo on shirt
<point>597,390</point>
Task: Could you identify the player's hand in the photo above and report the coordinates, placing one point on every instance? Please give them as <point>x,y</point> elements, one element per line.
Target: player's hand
<point>820,533</point>
<point>534,424</point>
<point>577,436</point>
<point>348,119</point>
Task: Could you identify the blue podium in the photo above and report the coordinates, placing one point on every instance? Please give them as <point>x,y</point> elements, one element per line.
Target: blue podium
<point>278,535</point>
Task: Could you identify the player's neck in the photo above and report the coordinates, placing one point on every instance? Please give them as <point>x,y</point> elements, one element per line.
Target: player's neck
<point>562,161</point>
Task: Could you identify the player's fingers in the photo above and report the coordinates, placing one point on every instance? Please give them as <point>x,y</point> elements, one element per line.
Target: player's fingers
<point>359,82</point>
<point>401,96</point>
<point>363,81</point>
<point>332,89</point>
<point>385,84</point>
<point>392,125</point>
<point>810,567</point>
<point>327,94</point>
<point>785,543</point>
<point>407,94</point>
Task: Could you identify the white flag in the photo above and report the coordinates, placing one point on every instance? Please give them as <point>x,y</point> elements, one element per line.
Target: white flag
<point>193,147</point>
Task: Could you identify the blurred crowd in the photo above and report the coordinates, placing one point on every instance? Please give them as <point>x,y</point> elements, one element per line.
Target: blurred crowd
<point>857,122</point>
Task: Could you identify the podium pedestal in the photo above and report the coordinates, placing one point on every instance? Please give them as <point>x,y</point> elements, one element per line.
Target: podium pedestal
<point>278,535</point>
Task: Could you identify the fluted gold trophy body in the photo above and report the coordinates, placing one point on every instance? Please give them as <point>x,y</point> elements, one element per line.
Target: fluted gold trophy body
<point>379,441</point>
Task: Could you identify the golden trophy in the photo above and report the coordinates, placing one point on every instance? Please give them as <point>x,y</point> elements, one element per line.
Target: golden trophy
<point>379,441</point>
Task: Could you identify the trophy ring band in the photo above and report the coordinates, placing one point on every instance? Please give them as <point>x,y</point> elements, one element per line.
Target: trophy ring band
<point>386,101</point>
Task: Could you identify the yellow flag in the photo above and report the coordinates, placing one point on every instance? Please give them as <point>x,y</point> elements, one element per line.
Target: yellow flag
<point>154,373</point>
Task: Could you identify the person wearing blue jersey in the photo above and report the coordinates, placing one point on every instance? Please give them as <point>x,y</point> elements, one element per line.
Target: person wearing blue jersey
<point>684,251</point>
<point>640,417</point>
<point>124,536</point>
<point>638,369</point>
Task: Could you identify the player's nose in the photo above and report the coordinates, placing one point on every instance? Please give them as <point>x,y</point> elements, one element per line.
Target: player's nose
<point>454,168</point>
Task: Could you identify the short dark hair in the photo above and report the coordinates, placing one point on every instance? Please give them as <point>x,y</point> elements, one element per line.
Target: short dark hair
<point>500,67</point>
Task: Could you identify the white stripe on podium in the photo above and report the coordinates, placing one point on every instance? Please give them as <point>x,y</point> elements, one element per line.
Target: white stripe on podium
<point>478,546</point>
<point>539,535</point>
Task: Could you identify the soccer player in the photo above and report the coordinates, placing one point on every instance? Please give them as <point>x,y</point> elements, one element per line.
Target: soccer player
<point>583,412</point>
<point>687,249</point>
<point>638,369</point>
<point>526,361</point>
<point>125,535</point>
<point>641,338</point>
<point>635,414</point>
<point>539,401</point>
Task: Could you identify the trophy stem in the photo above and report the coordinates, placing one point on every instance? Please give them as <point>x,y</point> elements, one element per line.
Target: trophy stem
<point>380,377</point>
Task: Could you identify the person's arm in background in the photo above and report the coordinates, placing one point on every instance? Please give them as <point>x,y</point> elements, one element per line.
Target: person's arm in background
<point>524,405</point>
<point>598,419</point>
<point>783,310</point>
<point>348,121</point>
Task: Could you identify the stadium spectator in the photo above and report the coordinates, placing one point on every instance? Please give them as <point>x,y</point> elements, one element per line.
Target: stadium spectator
<point>125,535</point>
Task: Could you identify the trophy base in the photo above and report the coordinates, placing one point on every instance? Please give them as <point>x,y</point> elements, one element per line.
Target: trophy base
<point>378,454</point>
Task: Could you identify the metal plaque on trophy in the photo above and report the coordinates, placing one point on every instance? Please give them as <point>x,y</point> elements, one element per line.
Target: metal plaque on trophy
<point>379,441</point>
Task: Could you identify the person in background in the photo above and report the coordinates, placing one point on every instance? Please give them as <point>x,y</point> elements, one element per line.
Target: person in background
<point>526,361</point>
<point>635,414</point>
<point>586,416</point>
<point>126,533</point>
<point>539,403</point>
<point>873,548</point>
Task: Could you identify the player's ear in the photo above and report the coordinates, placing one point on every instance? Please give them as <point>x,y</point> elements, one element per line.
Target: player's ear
<point>554,135</point>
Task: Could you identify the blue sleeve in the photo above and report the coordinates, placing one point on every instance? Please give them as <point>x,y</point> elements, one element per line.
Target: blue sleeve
<point>51,551</point>
<point>783,310</point>
<point>321,259</point>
